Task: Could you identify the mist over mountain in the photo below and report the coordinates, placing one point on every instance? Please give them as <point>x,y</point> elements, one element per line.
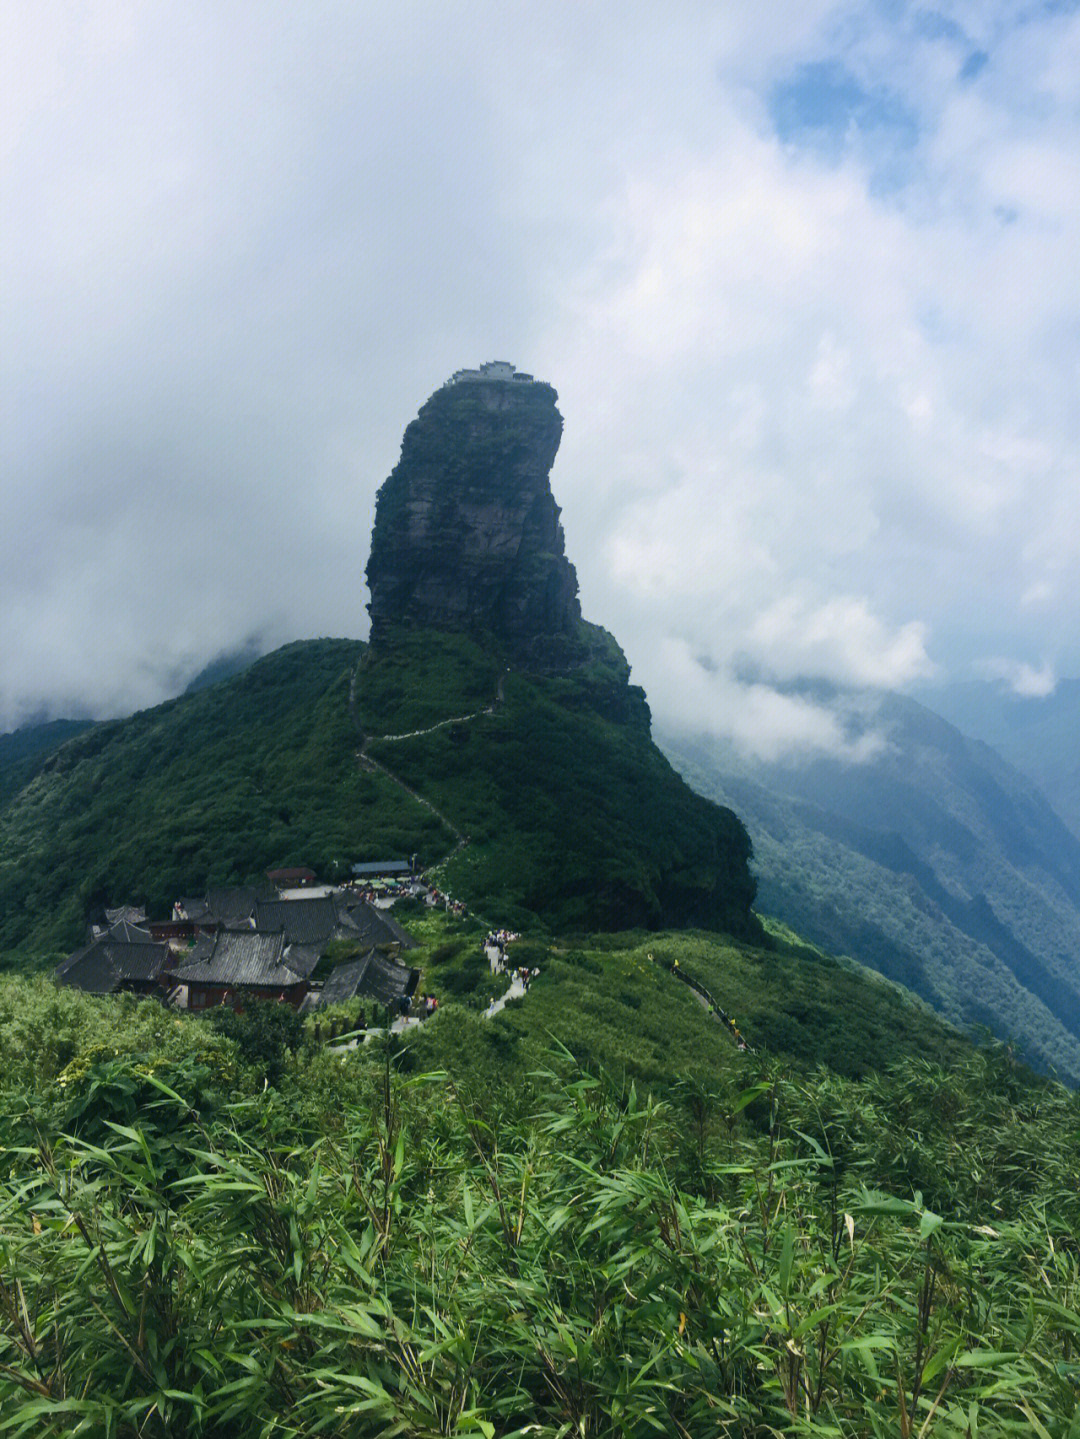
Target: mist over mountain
<point>1039,734</point>
<point>933,860</point>
<point>226,664</point>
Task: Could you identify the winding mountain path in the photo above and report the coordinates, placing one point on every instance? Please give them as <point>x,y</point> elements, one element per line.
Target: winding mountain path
<point>368,762</point>
<point>456,719</point>
<point>516,989</point>
<point>716,1012</point>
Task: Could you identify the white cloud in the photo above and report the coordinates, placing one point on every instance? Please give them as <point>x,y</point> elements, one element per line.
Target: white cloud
<point>841,640</point>
<point>820,414</point>
<point>1028,681</point>
<point>830,382</point>
<point>758,719</point>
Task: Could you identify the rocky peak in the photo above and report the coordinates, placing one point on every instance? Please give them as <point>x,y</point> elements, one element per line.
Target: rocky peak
<point>467,533</point>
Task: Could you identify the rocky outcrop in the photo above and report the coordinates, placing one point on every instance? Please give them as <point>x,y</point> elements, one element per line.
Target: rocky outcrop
<point>467,533</point>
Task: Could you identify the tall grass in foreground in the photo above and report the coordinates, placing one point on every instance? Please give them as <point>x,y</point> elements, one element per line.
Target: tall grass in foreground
<point>172,1265</point>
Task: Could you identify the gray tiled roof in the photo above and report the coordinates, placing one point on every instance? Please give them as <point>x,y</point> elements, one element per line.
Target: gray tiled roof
<point>232,906</point>
<point>124,932</point>
<point>194,908</point>
<point>107,965</point>
<point>305,921</point>
<point>383,866</point>
<point>134,913</point>
<point>373,976</point>
<point>242,957</point>
<point>303,957</point>
<point>376,926</point>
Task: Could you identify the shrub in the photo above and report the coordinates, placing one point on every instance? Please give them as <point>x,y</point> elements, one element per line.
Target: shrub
<point>264,1033</point>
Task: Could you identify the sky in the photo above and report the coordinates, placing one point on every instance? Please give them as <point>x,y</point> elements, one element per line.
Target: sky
<point>805,276</point>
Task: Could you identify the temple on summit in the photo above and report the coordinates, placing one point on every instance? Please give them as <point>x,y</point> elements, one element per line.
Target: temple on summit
<point>493,370</point>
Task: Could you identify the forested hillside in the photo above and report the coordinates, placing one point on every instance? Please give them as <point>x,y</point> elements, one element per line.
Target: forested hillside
<point>23,751</point>
<point>214,787</point>
<point>539,790</point>
<point>933,861</point>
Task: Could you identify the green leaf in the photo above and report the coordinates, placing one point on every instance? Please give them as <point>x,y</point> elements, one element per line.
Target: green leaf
<point>929,1224</point>
<point>748,1096</point>
<point>937,1362</point>
<point>986,1358</point>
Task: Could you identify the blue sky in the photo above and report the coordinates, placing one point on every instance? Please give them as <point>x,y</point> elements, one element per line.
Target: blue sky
<point>822,106</point>
<point>804,277</point>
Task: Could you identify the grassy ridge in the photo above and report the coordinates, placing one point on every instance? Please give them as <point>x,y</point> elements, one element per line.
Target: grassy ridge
<point>612,1002</point>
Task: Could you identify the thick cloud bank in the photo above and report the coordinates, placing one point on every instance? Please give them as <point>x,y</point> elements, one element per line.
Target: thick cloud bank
<point>805,278</point>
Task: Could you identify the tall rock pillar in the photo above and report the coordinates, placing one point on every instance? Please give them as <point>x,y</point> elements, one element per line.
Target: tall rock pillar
<point>467,533</point>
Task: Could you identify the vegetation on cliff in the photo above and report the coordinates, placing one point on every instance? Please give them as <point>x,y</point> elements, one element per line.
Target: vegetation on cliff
<point>573,816</point>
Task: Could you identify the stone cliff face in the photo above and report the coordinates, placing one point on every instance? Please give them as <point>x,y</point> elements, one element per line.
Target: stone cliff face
<point>574,814</point>
<point>467,533</point>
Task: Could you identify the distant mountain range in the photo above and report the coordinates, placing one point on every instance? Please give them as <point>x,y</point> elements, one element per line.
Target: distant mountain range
<point>1039,735</point>
<point>936,862</point>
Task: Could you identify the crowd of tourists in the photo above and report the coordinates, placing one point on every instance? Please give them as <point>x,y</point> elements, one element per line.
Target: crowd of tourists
<point>369,891</point>
<point>422,1006</point>
<point>496,940</point>
<point>436,897</point>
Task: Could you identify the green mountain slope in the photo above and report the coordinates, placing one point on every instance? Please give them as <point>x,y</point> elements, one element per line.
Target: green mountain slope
<point>24,751</point>
<point>935,862</point>
<point>213,787</point>
<point>615,1003</point>
<point>572,813</point>
<point>1040,735</point>
<point>573,817</point>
